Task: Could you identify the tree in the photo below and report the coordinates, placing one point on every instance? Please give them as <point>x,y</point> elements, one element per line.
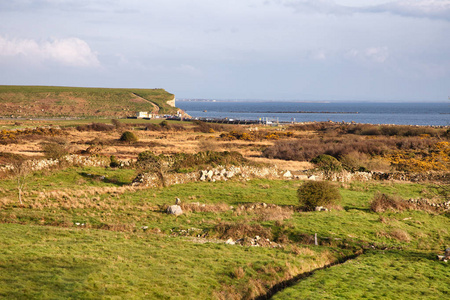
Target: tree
<point>55,149</point>
<point>159,165</point>
<point>20,170</point>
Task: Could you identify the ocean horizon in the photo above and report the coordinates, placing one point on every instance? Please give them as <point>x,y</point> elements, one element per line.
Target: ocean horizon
<point>399,113</point>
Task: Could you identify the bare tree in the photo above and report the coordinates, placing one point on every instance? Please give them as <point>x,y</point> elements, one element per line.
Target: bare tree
<point>159,165</point>
<point>21,171</point>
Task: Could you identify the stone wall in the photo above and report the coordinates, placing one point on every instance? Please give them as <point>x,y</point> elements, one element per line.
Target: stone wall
<point>72,160</point>
<point>222,173</point>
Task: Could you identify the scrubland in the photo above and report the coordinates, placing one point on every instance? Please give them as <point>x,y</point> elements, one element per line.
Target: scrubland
<point>87,232</point>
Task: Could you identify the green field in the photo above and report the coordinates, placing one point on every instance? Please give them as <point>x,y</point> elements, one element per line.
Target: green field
<point>48,101</point>
<point>84,233</point>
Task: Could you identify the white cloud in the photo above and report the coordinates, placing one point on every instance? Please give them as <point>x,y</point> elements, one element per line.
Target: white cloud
<point>317,6</point>
<point>377,54</point>
<point>371,54</point>
<point>319,55</point>
<point>432,9</point>
<point>72,52</point>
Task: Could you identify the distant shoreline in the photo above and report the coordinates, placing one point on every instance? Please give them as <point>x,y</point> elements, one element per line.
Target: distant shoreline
<point>299,112</point>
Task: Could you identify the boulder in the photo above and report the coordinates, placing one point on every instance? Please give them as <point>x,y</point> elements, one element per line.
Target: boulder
<point>174,210</point>
<point>288,174</point>
<point>321,208</point>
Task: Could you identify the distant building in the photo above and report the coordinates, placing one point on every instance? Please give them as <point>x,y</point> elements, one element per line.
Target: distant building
<point>143,114</point>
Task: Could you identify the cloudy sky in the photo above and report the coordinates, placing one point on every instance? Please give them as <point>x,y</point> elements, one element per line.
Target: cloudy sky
<point>382,50</point>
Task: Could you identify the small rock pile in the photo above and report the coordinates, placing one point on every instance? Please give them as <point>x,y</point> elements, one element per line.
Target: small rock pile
<point>257,241</point>
<point>422,202</point>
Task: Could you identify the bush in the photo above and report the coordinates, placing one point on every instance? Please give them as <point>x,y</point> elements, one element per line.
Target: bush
<point>307,149</point>
<point>318,193</point>
<point>55,149</point>
<point>186,162</point>
<point>114,162</point>
<point>96,127</point>
<point>327,163</point>
<point>128,136</point>
<point>382,202</point>
<point>119,125</point>
<point>209,127</point>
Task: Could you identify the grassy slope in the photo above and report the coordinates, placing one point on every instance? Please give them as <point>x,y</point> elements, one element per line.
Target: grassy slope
<point>92,263</point>
<point>57,263</point>
<point>374,275</point>
<point>48,101</point>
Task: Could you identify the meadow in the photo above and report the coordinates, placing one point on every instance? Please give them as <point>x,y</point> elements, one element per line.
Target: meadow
<point>90,232</point>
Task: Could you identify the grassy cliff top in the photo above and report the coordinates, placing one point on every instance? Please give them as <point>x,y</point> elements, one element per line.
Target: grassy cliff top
<point>52,101</point>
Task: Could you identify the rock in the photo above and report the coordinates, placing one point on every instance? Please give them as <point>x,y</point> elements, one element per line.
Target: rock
<point>177,201</point>
<point>321,208</point>
<point>288,174</point>
<point>230,242</point>
<point>203,175</point>
<point>174,210</point>
<point>229,174</point>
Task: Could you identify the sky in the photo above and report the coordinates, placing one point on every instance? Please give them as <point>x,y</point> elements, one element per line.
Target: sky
<point>371,50</point>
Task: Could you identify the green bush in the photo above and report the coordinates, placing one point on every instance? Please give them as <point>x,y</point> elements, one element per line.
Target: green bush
<point>187,162</point>
<point>114,162</point>
<point>327,163</point>
<point>317,193</point>
<point>128,136</point>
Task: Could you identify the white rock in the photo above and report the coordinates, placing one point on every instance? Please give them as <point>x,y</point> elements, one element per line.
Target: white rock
<point>288,174</point>
<point>174,210</point>
<point>230,242</point>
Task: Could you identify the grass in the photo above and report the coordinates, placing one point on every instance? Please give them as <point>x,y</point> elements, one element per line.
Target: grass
<point>46,262</point>
<point>377,275</point>
<point>112,256</point>
<point>51,101</point>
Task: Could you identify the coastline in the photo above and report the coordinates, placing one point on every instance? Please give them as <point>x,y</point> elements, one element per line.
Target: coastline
<point>422,114</point>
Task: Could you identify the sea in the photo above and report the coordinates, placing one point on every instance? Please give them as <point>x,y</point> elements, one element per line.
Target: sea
<point>400,113</point>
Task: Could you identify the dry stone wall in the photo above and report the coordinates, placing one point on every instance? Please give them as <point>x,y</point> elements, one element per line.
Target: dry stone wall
<point>73,160</point>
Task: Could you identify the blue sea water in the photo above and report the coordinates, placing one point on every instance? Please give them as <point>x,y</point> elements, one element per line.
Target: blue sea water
<point>437,114</point>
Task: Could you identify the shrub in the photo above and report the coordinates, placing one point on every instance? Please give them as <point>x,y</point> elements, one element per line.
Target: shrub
<point>400,235</point>
<point>55,149</point>
<point>186,162</point>
<point>354,161</point>
<point>96,127</point>
<point>382,202</point>
<point>209,127</point>
<point>128,136</point>
<point>119,125</point>
<point>114,162</point>
<point>327,163</point>
<point>317,193</point>
<point>307,149</point>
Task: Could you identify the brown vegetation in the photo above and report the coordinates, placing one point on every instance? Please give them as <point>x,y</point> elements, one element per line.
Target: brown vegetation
<point>382,202</point>
<point>416,149</point>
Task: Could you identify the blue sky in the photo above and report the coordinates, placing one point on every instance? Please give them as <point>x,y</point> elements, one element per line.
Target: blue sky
<point>380,50</point>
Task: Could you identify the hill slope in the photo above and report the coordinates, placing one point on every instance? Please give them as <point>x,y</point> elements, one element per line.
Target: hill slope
<point>49,101</point>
